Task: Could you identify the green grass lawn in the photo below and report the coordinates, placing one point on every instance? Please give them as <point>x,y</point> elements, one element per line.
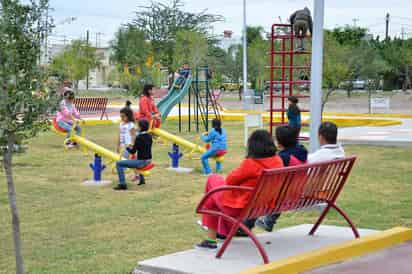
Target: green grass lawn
<point>69,228</point>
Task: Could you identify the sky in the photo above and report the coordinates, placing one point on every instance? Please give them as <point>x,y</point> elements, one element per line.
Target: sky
<point>104,17</point>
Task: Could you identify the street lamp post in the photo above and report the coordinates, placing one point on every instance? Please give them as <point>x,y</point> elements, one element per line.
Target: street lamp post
<point>244,53</point>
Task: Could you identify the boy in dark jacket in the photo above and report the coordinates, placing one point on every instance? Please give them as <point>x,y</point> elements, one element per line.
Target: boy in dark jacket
<point>292,154</point>
<point>143,147</point>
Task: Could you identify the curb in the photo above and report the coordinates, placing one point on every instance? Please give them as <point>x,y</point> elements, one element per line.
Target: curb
<point>337,253</point>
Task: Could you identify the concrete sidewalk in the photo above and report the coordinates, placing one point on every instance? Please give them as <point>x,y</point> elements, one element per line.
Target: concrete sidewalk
<point>242,254</point>
<point>400,135</point>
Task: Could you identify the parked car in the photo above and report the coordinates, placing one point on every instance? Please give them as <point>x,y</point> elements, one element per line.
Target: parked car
<point>359,84</point>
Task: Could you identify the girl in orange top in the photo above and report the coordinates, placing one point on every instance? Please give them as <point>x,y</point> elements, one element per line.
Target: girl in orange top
<point>147,107</point>
<point>261,155</point>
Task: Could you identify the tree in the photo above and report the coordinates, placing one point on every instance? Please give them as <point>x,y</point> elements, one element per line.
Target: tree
<point>335,67</point>
<point>130,47</point>
<point>131,53</point>
<point>161,21</point>
<point>349,36</point>
<point>398,54</point>
<point>75,61</point>
<point>254,33</point>
<point>190,47</point>
<point>22,105</point>
<point>257,64</point>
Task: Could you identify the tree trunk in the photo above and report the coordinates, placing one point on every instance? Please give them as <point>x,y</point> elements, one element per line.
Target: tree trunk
<point>407,80</point>
<point>7,163</point>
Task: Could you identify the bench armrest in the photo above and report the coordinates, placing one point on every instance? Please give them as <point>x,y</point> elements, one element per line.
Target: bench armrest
<point>220,189</point>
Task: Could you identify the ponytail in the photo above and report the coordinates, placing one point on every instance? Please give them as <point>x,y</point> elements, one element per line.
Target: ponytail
<point>128,104</point>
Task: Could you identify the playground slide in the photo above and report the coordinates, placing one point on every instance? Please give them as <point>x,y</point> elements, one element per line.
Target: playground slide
<point>174,96</point>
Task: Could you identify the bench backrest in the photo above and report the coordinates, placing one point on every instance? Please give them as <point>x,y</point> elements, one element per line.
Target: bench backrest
<point>300,187</point>
<point>91,105</point>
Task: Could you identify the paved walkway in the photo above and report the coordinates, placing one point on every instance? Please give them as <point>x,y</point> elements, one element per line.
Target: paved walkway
<point>395,260</point>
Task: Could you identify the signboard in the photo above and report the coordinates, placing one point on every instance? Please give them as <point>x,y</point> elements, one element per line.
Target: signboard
<point>383,103</point>
<point>252,120</point>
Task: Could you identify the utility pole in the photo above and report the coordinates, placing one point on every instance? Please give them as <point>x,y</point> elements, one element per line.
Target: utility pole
<point>387,26</point>
<point>317,70</point>
<point>87,59</point>
<point>403,33</point>
<point>355,20</point>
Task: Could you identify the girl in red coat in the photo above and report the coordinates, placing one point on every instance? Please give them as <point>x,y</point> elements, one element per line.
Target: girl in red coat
<point>147,107</point>
<point>261,155</point>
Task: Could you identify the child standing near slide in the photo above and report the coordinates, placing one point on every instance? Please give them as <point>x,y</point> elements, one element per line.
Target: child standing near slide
<point>147,108</point>
<point>217,139</point>
<point>68,115</point>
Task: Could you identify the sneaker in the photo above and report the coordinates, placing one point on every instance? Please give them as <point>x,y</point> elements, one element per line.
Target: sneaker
<point>207,245</point>
<point>199,223</point>
<point>120,187</point>
<point>220,237</point>
<point>241,234</point>
<point>71,145</point>
<point>263,224</point>
<point>141,181</point>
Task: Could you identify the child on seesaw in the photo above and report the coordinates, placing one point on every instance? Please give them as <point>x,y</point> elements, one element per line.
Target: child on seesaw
<point>217,139</point>
<point>68,115</point>
<point>143,147</point>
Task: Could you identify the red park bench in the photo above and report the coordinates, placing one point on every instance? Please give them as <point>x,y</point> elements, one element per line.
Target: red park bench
<point>288,189</point>
<point>92,105</point>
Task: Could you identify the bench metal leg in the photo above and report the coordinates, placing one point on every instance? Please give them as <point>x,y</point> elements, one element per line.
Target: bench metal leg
<point>341,212</point>
<point>251,236</point>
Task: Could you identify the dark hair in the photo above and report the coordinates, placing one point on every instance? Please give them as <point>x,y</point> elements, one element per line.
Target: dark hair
<point>68,94</point>
<point>217,125</point>
<point>143,125</point>
<point>146,89</point>
<point>329,131</point>
<point>286,136</point>
<point>128,111</point>
<point>293,99</point>
<point>261,145</point>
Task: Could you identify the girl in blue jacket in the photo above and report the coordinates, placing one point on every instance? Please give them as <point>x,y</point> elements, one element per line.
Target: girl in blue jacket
<point>217,139</point>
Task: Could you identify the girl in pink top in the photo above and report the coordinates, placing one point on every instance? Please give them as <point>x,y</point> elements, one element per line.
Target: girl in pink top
<point>68,115</point>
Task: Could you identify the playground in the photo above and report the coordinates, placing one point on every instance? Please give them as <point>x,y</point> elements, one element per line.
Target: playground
<point>182,164</point>
<point>70,228</point>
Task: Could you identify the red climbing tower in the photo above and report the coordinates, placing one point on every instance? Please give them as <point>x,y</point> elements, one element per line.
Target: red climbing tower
<point>286,65</point>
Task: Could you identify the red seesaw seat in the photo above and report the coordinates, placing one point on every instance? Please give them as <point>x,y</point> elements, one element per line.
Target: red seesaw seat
<point>56,126</point>
<point>145,171</point>
<point>146,168</point>
<point>219,153</point>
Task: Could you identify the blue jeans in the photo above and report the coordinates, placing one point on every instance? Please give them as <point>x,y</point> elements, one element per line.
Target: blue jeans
<point>205,162</point>
<point>121,165</point>
<point>68,127</point>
